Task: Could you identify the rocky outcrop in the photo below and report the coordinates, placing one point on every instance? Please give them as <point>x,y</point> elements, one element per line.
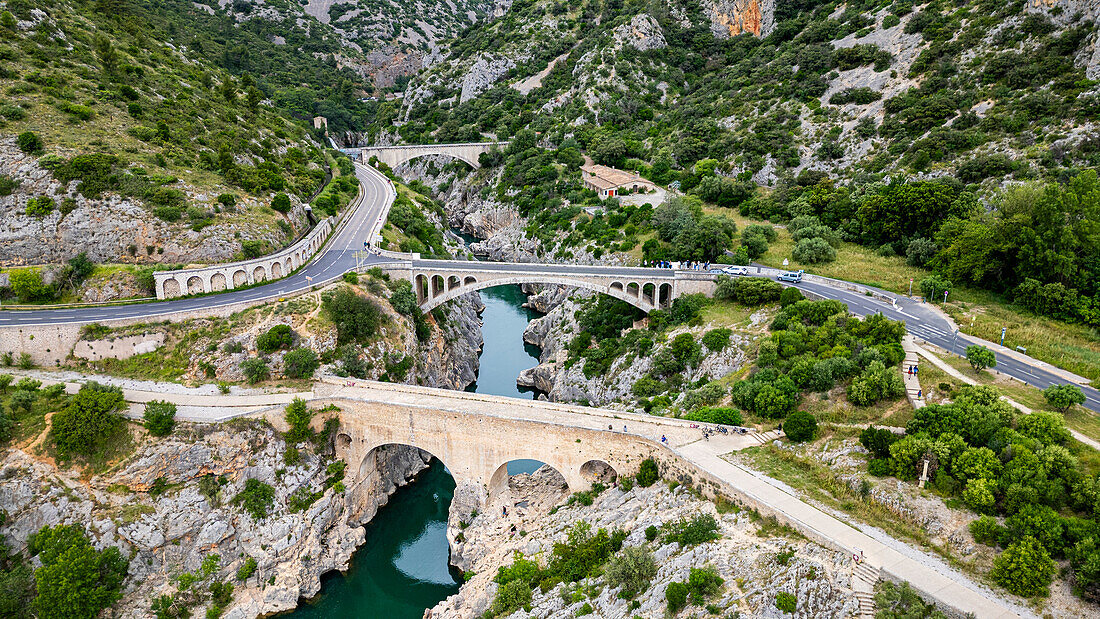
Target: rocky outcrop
<point>642,32</point>
<point>482,74</point>
<point>753,565</point>
<point>450,359</point>
<point>113,228</point>
<point>175,532</point>
<point>729,18</point>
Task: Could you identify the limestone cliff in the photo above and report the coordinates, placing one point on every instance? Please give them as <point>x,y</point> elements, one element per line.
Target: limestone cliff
<point>754,565</point>
<point>195,518</point>
<point>729,18</point>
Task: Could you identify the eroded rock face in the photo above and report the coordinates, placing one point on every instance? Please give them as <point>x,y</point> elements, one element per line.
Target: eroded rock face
<point>174,532</point>
<point>729,18</point>
<point>483,74</point>
<point>819,578</point>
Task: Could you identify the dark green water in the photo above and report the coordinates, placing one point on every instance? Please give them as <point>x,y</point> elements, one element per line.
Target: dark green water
<point>402,568</point>
<point>504,353</point>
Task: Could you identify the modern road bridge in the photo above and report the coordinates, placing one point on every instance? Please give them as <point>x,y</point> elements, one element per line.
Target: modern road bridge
<point>439,281</point>
<point>394,156</point>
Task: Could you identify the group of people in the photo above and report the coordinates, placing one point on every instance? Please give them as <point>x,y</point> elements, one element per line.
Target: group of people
<point>912,371</point>
<point>690,265</point>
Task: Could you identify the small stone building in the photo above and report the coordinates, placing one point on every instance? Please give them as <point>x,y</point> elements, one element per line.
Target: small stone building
<point>609,182</point>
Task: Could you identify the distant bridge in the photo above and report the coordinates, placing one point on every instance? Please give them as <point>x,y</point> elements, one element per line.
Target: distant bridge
<point>394,156</point>
<point>439,281</point>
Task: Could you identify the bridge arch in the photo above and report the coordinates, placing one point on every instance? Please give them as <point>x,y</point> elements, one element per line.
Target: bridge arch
<point>438,296</point>
<point>473,163</point>
<point>502,477</point>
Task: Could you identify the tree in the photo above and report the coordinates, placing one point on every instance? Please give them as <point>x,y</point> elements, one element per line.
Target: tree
<point>27,284</point>
<point>980,357</point>
<point>23,399</point>
<point>300,363</point>
<point>790,296</point>
<point>813,251</point>
<point>1063,397</point>
<point>1024,568</point>
<point>357,318</point>
<point>800,426</point>
<point>281,203</point>
<point>255,370</point>
<point>647,473</point>
<point>29,143</point>
<point>160,417</point>
<point>298,415</point>
<point>920,252</point>
<point>5,382</point>
<point>1048,428</point>
<point>90,419</point>
<point>276,338</point>
<point>75,581</point>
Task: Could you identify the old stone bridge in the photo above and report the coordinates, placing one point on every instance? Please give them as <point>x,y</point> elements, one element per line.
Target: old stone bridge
<point>439,281</point>
<point>476,436</point>
<point>394,156</point>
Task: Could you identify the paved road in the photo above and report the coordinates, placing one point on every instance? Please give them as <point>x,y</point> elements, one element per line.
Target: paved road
<point>336,258</point>
<point>367,218</point>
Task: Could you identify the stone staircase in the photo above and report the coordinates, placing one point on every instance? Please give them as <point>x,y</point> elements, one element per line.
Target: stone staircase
<point>864,578</point>
<point>763,438</point>
<point>912,383</point>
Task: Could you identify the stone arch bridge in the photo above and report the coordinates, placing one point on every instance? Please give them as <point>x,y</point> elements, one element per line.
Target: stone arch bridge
<point>476,436</point>
<point>394,156</point>
<point>439,281</point>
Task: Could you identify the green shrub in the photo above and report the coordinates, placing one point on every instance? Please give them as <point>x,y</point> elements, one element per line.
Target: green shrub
<point>691,532</point>
<point>247,569</point>
<point>1024,568</point>
<point>298,416</point>
<point>786,602</point>
<point>748,290</point>
<point>647,473</point>
<point>27,284</point>
<point>357,318</point>
<point>987,531</point>
<point>814,251</point>
<point>980,357</point>
<point>29,142</point>
<point>511,597</point>
<point>676,595</point>
<point>651,533</point>
<point>790,296</point>
<point>160,417</point>
<point>255,370</point>
<point>39,207</point>
<point>703,583</point>
<point>275,338</point>
<point>256,498</point>
<point>75,579</point>
<point>879,467</point>
<point>300,363</point>
<point>1063,397</point>
<point>632,569</point>
<point>722,415</point>
<point>91,418</point>
<point>800,426</point>
<point>717,339</point>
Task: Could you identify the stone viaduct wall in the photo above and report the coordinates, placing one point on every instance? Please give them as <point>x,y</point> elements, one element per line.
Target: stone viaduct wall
<point>435,284</point>
<point>477,448</point>
<point>394,156</point>
<point>170,284</point>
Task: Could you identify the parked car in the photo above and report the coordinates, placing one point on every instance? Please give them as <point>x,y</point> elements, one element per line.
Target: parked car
<point>790,276</point>
<point>717,271</point>
<point>736,270</point>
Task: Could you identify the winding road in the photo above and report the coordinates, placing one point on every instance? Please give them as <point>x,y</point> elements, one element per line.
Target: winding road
<point>367,216</point>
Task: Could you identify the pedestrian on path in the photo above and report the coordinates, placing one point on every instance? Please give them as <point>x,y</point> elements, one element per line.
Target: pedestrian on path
<point>919,394</point>
<point>624,429</point>
<point>664,440</point>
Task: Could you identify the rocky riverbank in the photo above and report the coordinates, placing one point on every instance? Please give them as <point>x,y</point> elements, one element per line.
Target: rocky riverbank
<point>755,559</point>
<point>171,508</point>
